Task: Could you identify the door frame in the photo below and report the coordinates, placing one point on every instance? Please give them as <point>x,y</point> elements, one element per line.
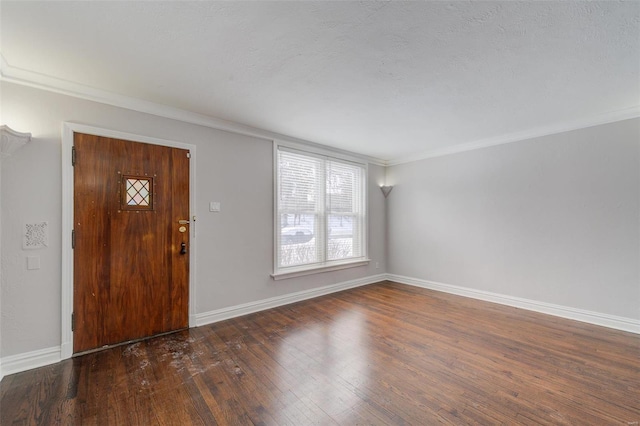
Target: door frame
<point>68,129</point>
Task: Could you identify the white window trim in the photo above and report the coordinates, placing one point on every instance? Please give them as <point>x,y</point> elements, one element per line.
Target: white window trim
<point>303,270</point>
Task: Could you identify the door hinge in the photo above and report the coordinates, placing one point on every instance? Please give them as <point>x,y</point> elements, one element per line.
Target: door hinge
<point>73,321</point>
<point>73,239</point>
<point>73,155</point>
<point>188,155</point>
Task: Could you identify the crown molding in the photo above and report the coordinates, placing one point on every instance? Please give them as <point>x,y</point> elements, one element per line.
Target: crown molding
<point>596,120</point>
<point>40,81</point>
<point>37,80</point>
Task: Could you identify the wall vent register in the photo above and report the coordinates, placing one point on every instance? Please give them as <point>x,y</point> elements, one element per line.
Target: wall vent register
<point>35,236</point>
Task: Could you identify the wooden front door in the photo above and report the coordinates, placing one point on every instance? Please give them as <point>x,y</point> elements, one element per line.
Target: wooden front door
<point>131,261</point>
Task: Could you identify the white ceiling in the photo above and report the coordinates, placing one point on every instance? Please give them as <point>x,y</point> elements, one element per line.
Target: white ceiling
<point>385,79</point>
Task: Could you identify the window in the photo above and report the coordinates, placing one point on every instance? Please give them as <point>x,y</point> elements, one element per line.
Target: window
<point>321,211</point>
<point>136,193</point>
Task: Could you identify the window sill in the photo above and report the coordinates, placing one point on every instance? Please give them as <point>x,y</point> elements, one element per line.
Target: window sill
<point>317,270</point>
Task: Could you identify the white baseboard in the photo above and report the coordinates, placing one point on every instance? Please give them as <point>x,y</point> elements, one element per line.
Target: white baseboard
<point>28,360</point>
<point>273,302</point>
<point>619,323</point>
<point>39,358</point>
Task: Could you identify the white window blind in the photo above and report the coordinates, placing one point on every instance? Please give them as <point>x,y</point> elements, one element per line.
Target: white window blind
<point>321,211</point>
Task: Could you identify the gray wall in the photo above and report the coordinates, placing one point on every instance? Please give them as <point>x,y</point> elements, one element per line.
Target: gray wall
<point>554,219</point>
<point>234,247</point>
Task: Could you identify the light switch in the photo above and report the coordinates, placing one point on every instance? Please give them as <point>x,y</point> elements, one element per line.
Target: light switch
<point>214,206</point>
<point>33,262</point>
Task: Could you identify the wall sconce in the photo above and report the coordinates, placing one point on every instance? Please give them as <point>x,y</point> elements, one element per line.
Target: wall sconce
<point>12,140</point>
<point>386,190</point>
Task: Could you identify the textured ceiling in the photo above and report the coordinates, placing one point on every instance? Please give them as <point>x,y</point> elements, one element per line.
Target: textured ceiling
<point>386,79</point>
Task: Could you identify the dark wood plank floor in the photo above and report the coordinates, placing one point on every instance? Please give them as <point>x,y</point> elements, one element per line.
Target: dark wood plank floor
<point>381,354</point>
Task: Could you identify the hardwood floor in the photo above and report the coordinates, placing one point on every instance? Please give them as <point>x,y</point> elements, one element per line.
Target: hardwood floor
<point>380,354</point>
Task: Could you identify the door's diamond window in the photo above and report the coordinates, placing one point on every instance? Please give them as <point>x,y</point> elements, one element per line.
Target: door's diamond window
<point>137,193</point>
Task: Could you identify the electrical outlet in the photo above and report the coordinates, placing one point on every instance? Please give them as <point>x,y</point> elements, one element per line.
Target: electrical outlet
<point>377,265</point>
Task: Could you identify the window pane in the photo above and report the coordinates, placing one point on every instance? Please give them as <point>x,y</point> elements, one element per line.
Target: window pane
<point>300,197</point>
<point>137,192</point>
<point>298,245</point>
<point>344,207</point>
<point>299,175</point>
<point>341,186</point>
<point>340,243</point>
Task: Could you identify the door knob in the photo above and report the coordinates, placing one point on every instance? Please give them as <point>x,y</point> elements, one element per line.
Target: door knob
<point>183,248</point>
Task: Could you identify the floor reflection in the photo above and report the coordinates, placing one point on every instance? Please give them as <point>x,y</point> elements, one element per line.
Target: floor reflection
<point>332,359</point>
